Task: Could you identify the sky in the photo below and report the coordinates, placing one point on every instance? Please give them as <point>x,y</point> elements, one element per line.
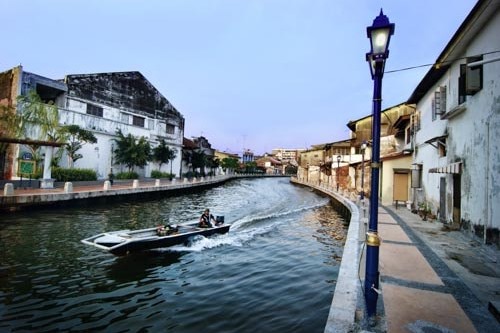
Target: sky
<point>245,74</point>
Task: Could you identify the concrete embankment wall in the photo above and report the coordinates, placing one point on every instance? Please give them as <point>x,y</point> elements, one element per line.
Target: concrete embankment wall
<point>16,198</point>
<point>341,317</point>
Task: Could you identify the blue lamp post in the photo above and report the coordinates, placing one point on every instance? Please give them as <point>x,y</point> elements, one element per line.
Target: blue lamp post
<point>363,148</point>
<point>380,34</point>
<point>337,172</point>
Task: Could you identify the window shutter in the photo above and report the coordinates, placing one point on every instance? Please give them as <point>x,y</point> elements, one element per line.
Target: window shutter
<point>461,84</point>
<point>474,77</point>
<point>436,104</point>
<point>473,80</point>
<point>442,100</point>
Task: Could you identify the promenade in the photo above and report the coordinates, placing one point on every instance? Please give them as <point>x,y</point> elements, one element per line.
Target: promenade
<point>14,199</point>
<point>431,279</point>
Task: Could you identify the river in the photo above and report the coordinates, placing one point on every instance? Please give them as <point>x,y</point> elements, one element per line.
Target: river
<point>275,270</point>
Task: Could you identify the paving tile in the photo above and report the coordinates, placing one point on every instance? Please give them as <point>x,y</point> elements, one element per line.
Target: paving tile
<point>407,263</point>
<point>392,232</point>
<point>415,310</point>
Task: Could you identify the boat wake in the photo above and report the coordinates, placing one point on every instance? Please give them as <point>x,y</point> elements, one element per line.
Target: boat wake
<point>242,231</point>
<point>249,221</point>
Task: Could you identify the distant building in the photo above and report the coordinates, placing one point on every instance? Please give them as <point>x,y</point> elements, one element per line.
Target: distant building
<point>270,165</point>
<point>286,155</point>
<point>198,145</point>
<point>220,155</point>
<point>247,156</point>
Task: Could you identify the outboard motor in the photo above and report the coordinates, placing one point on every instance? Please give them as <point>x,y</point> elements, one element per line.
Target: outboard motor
<point>219,220</point>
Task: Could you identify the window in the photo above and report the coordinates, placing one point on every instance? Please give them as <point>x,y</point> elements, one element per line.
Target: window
<point>94,110</point>
<point>408,135</point>
<point>138,121</point>
<point>170,129</point>
<point>441,145</point>
<point>151,124</point>
<point>470,80</point>
<point>439,102</point>
<point>125,118</point>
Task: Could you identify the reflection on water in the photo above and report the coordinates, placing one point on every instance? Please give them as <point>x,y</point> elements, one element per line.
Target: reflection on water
<point>274,271</point>
<point>138,266</point>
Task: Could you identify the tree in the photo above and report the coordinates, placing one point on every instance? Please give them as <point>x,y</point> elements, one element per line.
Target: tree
<point>229,163</point>
<point>132,151</point>
<point>290,170</point>
<point>213,163</point>
<point>250,167</point>
<point>76,138</point>
<point>10,125</point>
<point>187,157</point>
<point>40,120</point>
<point>199,160</point>
<point>164,154</point>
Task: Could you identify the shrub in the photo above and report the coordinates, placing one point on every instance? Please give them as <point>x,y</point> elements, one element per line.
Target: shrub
<point>69,175</point>
<point>158,174</point>
<point>127,175</point>
<point>191,174</point>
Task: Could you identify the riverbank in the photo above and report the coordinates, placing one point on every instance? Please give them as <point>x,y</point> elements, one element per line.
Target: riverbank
<point>431,278</point>
<point>71,194</point>
<point>347,295</point>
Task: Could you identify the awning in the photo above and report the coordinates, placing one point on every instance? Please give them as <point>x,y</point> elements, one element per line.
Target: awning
<point>454,168</point>
<point>439,139</point>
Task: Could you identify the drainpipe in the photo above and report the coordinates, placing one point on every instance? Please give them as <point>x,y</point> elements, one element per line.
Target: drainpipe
<point>487,220</point>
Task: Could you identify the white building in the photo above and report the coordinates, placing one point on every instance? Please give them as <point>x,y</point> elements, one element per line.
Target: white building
<point>457,127</point>
<point>103,103</point>
<point>106,102</point>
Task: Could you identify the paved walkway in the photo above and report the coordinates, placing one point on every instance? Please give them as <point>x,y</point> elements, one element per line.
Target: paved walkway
<point>426,283</point>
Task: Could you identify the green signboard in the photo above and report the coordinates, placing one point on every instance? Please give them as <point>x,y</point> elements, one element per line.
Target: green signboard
<point>26,168</point>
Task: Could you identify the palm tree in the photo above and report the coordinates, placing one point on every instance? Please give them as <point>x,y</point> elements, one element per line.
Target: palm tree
<point>199,160</point>
<point>77,137</point>
<point>172,154</point>
<point>164,154</point>
<point>132,151</point>
<point>40,120</point>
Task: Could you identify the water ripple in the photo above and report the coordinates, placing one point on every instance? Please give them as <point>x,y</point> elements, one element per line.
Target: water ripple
<point>275,270</point>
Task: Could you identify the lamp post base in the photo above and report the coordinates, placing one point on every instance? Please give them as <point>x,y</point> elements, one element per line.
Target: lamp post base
<point>372,273</point>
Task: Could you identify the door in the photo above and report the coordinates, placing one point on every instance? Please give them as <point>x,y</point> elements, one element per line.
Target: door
<point>456,198</point>
<point>400,187</point>
<point>442,199</point>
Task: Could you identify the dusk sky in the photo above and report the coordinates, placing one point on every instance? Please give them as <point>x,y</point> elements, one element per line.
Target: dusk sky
<point>256,74</point>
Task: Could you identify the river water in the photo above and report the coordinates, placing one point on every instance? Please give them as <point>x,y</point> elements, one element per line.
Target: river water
<point>275,271</point>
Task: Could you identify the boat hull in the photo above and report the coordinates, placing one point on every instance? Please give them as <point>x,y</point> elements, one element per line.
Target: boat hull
<point>123,242</point>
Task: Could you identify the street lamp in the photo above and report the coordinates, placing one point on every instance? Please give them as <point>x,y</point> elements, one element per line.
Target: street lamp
<point>380,34</point>
<point>363,148</point>
<point>338,166</point>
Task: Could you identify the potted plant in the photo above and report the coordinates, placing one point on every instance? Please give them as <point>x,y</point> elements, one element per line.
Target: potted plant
<point>424,210</point>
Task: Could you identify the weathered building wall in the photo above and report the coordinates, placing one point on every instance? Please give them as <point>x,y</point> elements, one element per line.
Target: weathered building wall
<point>470,130</point>
<point>123,90</point>
<point>425,153</point>
<point>9,88</point>
<point>480,149</point>
<point>121,99</point>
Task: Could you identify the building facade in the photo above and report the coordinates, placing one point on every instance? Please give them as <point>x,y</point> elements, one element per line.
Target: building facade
<point>104,103</point>
<point>457,128</point>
